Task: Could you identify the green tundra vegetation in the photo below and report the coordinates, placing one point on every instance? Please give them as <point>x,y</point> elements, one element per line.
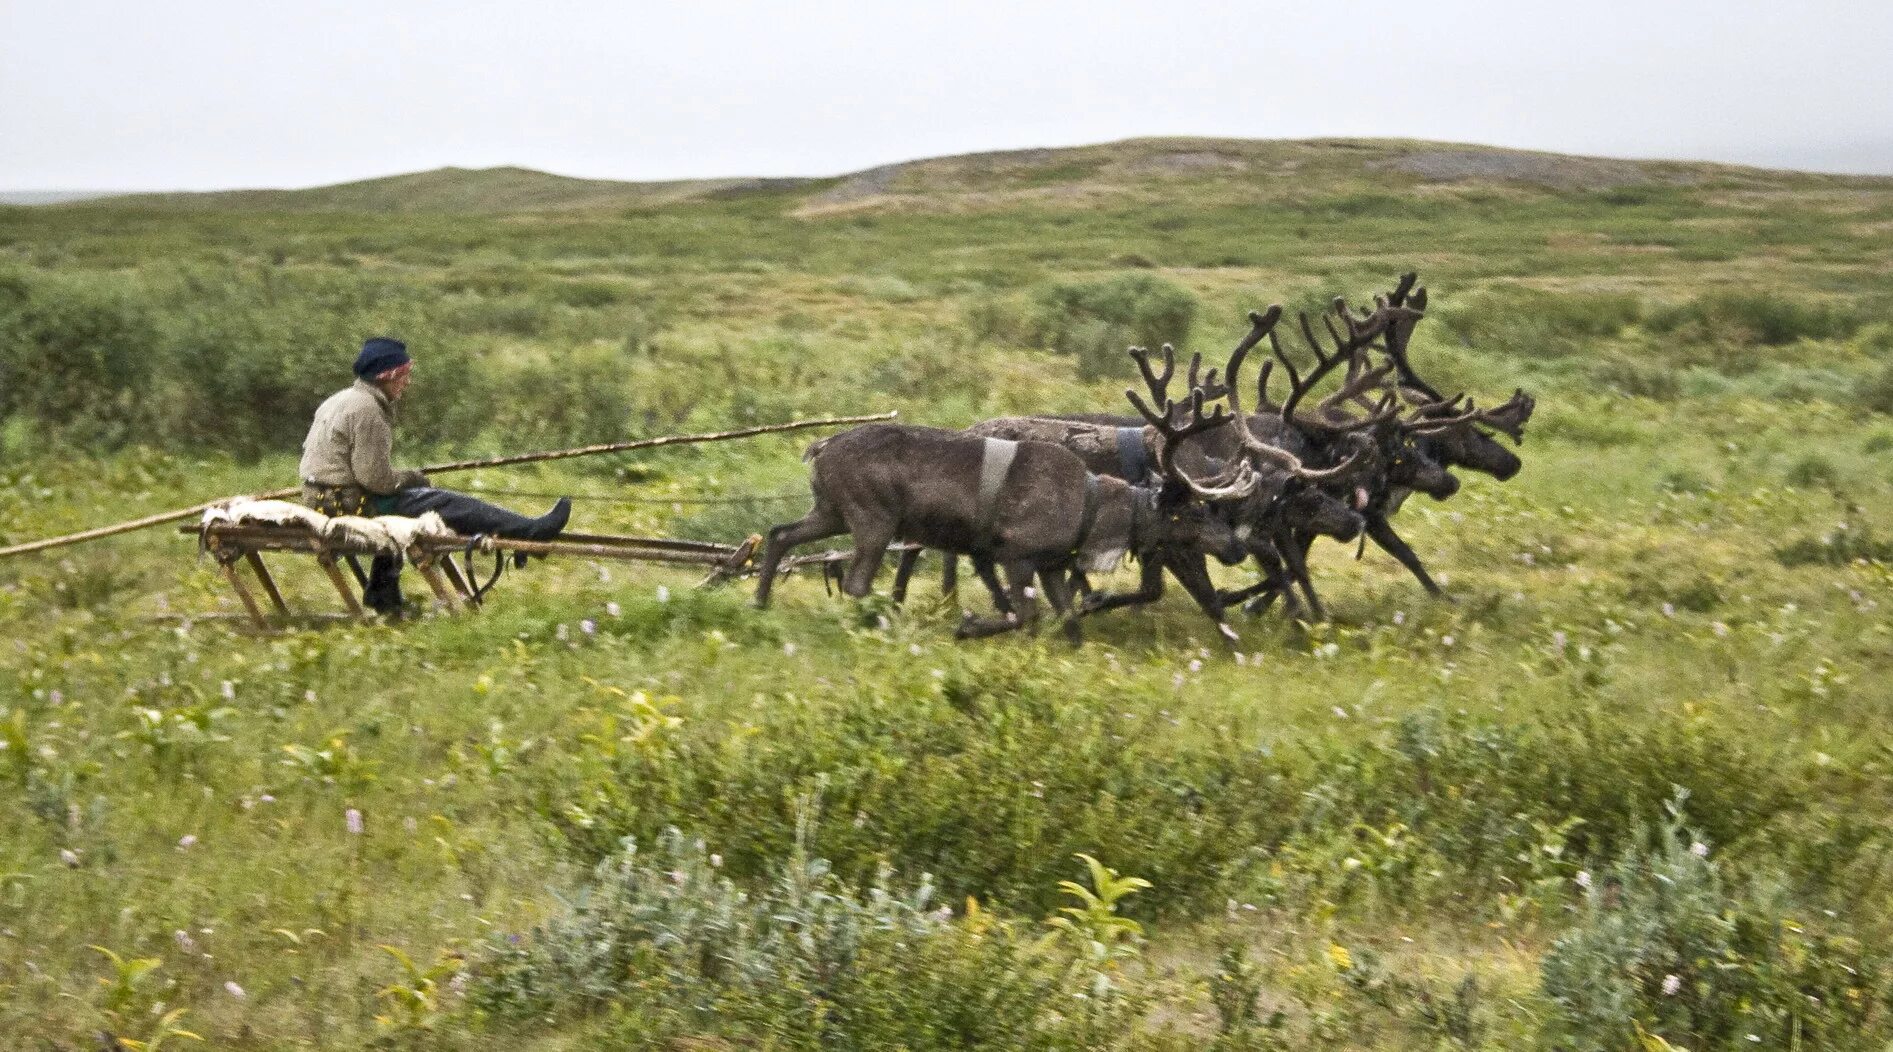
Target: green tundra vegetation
<point>1630,788</point>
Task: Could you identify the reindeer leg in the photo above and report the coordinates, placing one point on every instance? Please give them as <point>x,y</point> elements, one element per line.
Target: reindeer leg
<point>820,522</point>
<point>989,576</point>
<point>1058,592</point>
<point>870,546</point>
<point>1149,589</point>
<point>904,573</point>
<point>1297,558</point>
<point>1382,533</point>
<point>949,573</point>
<point>1018,579</point>
<point>1192,572</point>
<point>1269,565</point>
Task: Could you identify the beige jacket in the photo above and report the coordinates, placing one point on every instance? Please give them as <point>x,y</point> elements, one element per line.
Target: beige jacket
<point>351,443</point>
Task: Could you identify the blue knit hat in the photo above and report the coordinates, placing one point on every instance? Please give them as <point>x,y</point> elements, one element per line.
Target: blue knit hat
<point>380,354</point>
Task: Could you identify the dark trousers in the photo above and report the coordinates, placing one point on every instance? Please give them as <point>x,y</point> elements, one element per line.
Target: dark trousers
<point>462,514</point>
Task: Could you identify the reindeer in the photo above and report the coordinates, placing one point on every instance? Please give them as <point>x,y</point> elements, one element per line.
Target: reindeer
<point>1382,443</point>
<point>1126,450</point>
<point>1441,434</point>
<point>1030,507</point>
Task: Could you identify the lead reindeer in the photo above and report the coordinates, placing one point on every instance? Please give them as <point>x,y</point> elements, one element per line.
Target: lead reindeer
<point>1441,432</point>
<point>1031,508</point>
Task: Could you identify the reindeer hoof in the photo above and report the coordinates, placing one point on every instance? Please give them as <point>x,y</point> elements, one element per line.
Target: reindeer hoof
<point>1229,634</point>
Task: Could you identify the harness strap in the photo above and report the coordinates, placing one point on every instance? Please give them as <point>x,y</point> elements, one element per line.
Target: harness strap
<point>1090,516</point>
<point>475,543</point>
<point>1132,456</point>
<point>995,463</point>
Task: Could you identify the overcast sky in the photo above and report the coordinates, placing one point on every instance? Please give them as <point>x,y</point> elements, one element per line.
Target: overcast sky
<point>209,94</point>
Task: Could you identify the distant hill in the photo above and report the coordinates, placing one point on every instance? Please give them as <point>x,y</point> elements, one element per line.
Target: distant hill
<point>1137,168</point>
<point>50,197</point>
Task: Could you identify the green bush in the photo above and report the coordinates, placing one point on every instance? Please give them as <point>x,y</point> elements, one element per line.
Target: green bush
<point>1451,805</point>
<point>805,960</point>
<point>1836,548</point>
<point>1096,321</point>
<point>1770,319</point>
<point>1529,323</point>
<point>582,396</point>
<point>77,359</point>
<point>989,783</point>
<point>1669,943</point>
<point>1875,390</point>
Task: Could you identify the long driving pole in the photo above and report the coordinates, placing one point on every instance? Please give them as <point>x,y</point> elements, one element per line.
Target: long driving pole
<point>458,465</point>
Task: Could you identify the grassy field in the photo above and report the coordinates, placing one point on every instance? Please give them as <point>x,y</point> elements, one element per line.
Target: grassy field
<point>1631,784</point>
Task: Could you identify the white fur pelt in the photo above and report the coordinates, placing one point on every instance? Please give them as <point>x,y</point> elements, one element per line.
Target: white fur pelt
<point>388,534</point>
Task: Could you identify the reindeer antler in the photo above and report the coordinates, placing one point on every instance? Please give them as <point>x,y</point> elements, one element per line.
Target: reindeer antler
<point>1178,422</point>
<point>1261,325</point>
<point>1406,296</point>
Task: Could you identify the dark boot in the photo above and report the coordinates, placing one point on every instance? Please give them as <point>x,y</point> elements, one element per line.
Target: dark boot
<point>548,526</point>
<point>383,591</point>
<point>471,515</point>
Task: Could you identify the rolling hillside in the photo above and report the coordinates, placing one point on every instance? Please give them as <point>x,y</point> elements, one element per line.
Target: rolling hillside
<point>1133,169</point>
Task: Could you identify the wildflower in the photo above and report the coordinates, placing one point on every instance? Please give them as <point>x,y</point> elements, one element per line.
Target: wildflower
<point>1446,641</point>
<point>943,914</point>
<point>716,861</point>
<point>1669,610</point>
<point>663,594</point>
<point>588,626</point>
<point>229,690</point>
<point>677,876</point>
<point>1196,665</point>
<point>184,941</point>
<point>309,696</point>
<point>1699,849</point>
<point>1584,879</point>
<point>1399,617</point>
<point>266,798</point>
<point>231,988</point>
<point>788,650</point>
<point>613,609</point>
<point>353,817</point>
<point>410,825</point>
<point>58,697</point>
<point>1671,984</point>
<point>1241,659</point>
<point>914,649</point>
<point>1559,639</point>
<point>1719,628</point>
<point>561,633</point>
<point>69,857</point>
<point>187,841</point>
<point>1340,713</point>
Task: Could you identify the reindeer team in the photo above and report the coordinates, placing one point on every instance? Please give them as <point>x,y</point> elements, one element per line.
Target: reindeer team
<point>1055,499</point>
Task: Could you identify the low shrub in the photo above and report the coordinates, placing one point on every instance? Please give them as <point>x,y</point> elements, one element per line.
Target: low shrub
<point>671,943</point>
<point>1668,943</point>
<point>1770,319</point>
<point>76,360</point>
<point>1096,321</point>
<point>1844,544</point>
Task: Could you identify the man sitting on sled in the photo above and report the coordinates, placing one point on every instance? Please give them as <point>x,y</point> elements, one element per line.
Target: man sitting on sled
<point>347,469</point>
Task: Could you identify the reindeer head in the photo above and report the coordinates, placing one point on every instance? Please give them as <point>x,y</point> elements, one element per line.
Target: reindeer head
<point>1463,441</point>
<point>1191,511</point>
